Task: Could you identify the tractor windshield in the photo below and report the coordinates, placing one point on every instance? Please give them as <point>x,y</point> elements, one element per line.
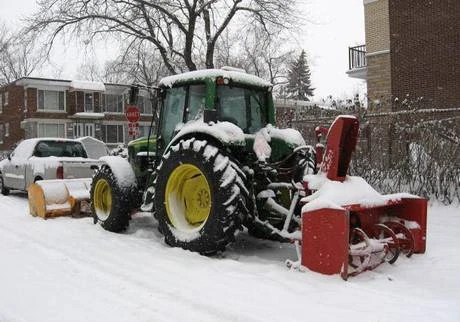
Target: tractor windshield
<point>243,106</point>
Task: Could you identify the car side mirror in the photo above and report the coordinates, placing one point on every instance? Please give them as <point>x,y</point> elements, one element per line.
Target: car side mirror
<point>9,156</point>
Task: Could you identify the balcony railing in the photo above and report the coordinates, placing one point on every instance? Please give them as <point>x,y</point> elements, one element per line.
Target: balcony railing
<point>357,57</point>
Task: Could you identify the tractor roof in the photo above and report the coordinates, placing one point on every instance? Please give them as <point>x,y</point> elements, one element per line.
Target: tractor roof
<point>206,74</point>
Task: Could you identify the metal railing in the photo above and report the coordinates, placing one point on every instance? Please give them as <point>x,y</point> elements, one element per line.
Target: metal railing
<point>357,57</point>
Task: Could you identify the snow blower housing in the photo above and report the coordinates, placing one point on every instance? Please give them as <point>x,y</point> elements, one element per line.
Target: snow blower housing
<point>218,164</point>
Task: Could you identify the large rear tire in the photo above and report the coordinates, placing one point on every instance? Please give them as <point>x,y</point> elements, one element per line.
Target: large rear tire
<point>110,203</point>
<point>198,200</point>
<point>5,191</point>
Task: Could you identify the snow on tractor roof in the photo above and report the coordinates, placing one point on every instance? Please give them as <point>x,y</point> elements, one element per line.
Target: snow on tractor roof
<point>235,76</point>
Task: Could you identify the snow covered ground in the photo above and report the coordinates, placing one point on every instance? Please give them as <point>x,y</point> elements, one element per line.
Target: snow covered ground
<point>68,269</point>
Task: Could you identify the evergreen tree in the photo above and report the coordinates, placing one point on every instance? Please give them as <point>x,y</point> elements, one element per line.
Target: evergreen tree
<point>299,84</point>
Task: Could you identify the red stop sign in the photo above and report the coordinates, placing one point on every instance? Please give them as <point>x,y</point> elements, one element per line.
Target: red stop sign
<point>133,113</point>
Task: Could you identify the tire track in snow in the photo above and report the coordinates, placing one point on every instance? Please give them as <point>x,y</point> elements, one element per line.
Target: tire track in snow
<point>106,270</point>
<point>128,269</point>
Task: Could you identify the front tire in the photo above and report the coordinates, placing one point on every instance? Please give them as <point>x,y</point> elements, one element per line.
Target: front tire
<point>198,201</point>
<point>5,191</point>
<point>110,203</point>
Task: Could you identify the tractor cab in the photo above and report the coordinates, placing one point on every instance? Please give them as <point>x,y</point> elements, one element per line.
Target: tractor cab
<point>214,96</point>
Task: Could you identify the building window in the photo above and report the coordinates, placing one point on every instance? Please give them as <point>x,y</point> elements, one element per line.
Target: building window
<point>1,133</point>
<point>1,102</point>
<point>5,100</point>
<point>7,129</point>
<point>89,102</point>
<point>51,130</point>
<point>145,105</point>
<point>113,103</point>
<point>113,133</point>
<point>83,129</point>
<point>51,100</point>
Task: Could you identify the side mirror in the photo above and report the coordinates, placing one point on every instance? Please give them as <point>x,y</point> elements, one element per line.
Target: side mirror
<point>9,156</point>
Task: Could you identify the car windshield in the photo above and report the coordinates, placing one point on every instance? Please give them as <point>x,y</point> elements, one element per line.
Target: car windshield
<point>243,106</point>
<point>59,149</point>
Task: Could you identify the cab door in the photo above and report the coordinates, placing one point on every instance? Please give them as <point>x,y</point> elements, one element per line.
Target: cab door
<point>172,114</point>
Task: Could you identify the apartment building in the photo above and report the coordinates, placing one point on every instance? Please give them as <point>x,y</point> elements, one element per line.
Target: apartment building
<point>38,107</point>
<point>411,53</point>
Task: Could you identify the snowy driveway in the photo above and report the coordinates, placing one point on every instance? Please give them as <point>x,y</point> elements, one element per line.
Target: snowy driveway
<point>68,269</point>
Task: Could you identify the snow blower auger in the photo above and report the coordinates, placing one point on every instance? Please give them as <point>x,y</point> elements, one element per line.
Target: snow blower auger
<point>348,227</point>
<point>54,198</point>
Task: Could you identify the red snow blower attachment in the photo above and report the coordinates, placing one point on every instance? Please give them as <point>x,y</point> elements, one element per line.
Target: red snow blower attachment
<point>348,227</point>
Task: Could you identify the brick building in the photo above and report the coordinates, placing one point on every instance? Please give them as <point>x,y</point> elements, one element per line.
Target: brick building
<point>412,51</point>
<point>38,107</point>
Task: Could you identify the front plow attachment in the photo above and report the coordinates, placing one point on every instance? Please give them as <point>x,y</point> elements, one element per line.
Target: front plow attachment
<point>54,198</point>
<point>357,238</point>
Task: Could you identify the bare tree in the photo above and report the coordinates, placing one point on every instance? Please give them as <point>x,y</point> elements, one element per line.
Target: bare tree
<point>182,31</point>
<point>268,55</point>
<point>89,71</point>
<point>19,55</point>
<point>136,65</point>
<point>258,52</point>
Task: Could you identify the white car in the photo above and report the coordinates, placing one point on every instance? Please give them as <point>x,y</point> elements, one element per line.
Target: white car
<point>47,158</point>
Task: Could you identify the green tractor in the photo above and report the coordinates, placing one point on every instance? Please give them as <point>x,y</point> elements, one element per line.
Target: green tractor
<point>215,165</point>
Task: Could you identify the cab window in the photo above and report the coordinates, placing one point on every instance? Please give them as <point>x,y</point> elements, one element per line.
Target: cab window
<point>182,104</point>
<point>242,106</point>
<point>196,102</point>
<point>173,109</point>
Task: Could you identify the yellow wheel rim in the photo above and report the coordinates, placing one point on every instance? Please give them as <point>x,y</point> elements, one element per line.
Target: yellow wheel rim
<point>187,198</point>
<point>102,199</point>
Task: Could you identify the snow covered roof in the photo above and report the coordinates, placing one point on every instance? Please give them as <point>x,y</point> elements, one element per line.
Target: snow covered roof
<point>87,115</point>
<point>76,85</point>
<point>42,83</point>
<point>236,76</point>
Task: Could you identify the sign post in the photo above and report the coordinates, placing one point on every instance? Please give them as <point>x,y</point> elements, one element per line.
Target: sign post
<point>133,115</point>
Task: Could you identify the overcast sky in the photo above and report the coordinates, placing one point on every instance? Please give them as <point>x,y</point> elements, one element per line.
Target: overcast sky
<point>336,25</point>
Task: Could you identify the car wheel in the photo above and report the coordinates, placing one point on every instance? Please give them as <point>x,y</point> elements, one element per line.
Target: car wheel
<point>5,191</point>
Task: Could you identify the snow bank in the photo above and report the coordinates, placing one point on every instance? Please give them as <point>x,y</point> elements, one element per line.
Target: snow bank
<point>70,270</point>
